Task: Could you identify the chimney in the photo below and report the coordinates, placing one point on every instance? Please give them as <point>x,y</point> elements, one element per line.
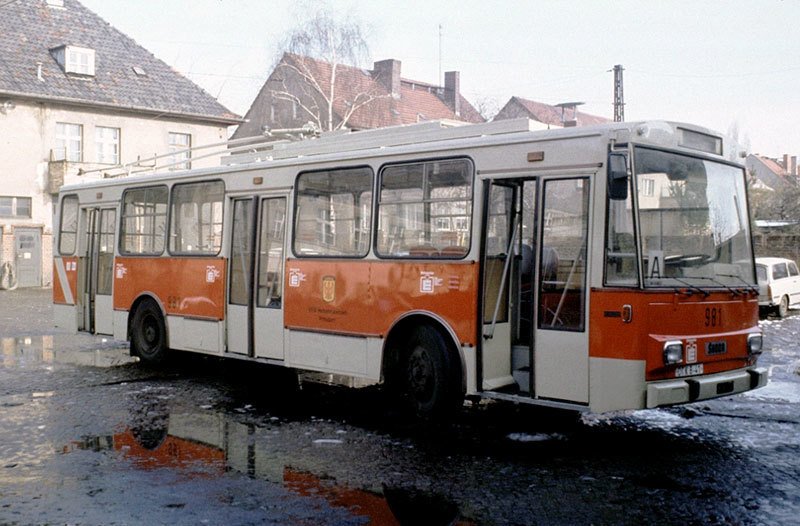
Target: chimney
<point>793,165</point>
<point>452,91</point>
<point>786,163</point>
<point>387,72</point>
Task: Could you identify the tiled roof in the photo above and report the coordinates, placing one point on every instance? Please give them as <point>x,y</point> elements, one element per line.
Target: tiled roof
<point>519,107</point>
<point>30,29</point>
<point>416,102</point>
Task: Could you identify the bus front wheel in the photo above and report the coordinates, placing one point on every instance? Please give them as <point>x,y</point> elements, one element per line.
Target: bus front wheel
<point>149,333</point>
<point>432,375</point>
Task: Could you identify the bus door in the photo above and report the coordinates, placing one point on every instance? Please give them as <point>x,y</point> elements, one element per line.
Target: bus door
<point>535,295</point>
<point>561,361</point>
<point>255,288</point>
<point>508,285</point>
<point>96,271</point>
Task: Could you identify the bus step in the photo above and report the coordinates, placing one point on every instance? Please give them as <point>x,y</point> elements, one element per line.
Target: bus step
<point>523,378</point>
<point>520,357</point>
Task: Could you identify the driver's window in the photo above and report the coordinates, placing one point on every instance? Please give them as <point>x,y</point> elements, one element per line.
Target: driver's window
<point>621,261</point>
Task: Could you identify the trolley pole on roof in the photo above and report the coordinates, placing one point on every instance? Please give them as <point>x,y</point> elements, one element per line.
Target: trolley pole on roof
<point>619,101</point>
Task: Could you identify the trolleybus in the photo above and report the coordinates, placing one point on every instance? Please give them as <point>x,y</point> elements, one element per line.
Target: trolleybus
<point>593,268</point>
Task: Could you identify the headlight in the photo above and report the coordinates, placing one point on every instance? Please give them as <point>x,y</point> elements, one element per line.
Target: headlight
<point>755,342</point>
<point>673,352</point>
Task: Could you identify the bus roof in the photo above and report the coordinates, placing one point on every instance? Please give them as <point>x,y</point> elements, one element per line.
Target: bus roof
<point>432,136</point>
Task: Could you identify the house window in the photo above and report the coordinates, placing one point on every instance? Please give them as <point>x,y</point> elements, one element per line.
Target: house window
<point>80,61</point>
<point>179,144</point>
<point>15,206</point>
<point>648,187</point>
<point>69,142</point>
<point>106,145</point>
<point>75,60</point>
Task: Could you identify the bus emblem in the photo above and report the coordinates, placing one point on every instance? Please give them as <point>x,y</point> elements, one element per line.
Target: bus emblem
<point>328,289</point>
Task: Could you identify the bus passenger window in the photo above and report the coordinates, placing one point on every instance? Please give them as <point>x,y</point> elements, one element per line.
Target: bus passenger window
<point>196,219</point>
<point>333,213</point>
<point>425,210</point>
<point>144,220</point>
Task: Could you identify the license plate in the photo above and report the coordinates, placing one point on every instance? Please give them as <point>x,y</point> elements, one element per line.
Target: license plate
<point>689,370</point>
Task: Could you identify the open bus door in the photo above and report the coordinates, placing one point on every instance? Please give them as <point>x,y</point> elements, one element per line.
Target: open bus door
<point>255,288</point>
<point>535,334</point>
<point>95,278</point>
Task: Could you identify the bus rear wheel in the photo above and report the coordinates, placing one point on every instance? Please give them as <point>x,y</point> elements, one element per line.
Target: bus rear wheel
<point>149,333</point>
<point>432,379</point>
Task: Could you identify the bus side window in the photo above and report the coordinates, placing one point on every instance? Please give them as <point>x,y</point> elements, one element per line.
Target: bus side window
<point>333,213</point>
<point>425,210</point>
<point>196,218</point>
<point>144,220</point>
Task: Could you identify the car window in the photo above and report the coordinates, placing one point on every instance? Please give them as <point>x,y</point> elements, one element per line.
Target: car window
<point>761,273</point>
<point>779,271</point>
<point>792,268</point>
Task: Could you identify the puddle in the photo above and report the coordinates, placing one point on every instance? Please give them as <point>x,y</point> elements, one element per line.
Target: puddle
<point>209,445</point>
<point>30,350</point>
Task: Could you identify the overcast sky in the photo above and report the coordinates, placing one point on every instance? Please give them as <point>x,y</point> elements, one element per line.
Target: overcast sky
<point>721,64</point>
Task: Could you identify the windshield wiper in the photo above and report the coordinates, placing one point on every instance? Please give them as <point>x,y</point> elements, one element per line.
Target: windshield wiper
<point>691,287</point>
<point>733,291</point>
<point>749,287</point>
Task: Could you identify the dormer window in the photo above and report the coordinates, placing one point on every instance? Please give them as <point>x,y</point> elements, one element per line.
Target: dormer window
<point>75,60</point>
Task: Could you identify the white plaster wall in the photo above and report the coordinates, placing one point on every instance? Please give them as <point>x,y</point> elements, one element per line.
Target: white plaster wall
<point>27,135</point>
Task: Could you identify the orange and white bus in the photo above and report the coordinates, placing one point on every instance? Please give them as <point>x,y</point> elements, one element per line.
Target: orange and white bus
<point>596,269</point>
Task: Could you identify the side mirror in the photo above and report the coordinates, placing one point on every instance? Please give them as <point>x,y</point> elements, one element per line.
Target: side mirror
<point>617,176</point>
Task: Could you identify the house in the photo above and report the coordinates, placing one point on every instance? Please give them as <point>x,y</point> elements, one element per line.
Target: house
<point>78,97</point>
<point>563,115</point>
<point>298,91</point>
<point>771,174</point>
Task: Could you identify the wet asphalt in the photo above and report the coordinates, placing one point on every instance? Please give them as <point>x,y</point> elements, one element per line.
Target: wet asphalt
<point>90,436</point>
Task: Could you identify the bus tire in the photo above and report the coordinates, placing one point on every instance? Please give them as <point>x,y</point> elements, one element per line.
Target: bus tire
<point>149,333</point>
<point>783,307</point>
<point>432,375</point>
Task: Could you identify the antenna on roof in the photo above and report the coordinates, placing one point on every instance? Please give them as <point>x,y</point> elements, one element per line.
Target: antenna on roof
<point>439,78</point>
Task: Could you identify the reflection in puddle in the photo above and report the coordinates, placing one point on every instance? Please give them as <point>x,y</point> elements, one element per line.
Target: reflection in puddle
<point>209,444</point>
<point>15,352</point>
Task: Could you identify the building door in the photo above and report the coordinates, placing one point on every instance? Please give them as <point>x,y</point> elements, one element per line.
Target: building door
<point>255,287</point>
<point>28,250</point>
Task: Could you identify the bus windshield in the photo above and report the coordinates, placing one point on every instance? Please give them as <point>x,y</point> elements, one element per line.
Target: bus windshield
<point>693,222</point>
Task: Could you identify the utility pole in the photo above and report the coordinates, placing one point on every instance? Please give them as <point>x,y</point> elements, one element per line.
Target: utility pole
<point>619,100</point>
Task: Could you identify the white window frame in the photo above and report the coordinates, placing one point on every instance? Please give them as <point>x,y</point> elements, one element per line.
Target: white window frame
<point>106,141</point>
<point>179,146</point>
<point>12,202</point>
<point>68,135</point>
<point>79,60</point>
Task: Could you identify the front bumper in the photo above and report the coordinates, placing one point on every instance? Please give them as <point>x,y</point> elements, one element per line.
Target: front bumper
<point>670,392</point>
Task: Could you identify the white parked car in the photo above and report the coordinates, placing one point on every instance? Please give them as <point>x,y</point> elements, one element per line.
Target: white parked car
<point>778,284</point>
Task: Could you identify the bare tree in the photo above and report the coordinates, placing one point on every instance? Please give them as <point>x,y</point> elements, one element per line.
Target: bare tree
<point>487,106</point>
<point>314,56</point>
